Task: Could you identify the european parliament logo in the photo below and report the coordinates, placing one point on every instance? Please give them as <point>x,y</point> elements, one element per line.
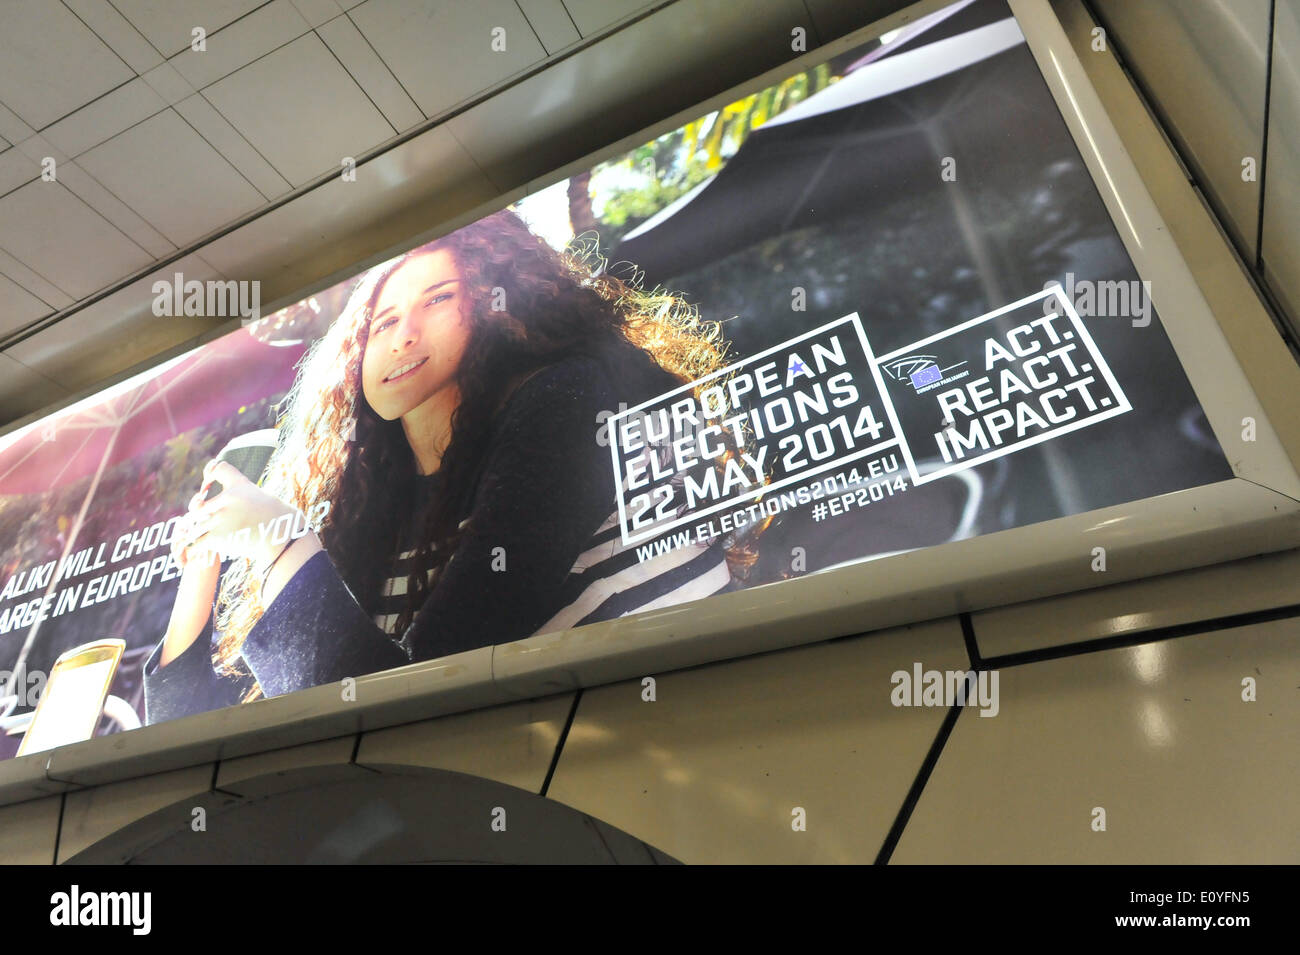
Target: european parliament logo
<point>925,376</point>
<point>919,370</point>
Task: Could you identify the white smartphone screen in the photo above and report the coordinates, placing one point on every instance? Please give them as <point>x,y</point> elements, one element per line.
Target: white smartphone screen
<point>70,706</point>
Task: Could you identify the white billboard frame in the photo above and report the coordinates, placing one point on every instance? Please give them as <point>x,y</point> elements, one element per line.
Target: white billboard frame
<point>1256,511</point>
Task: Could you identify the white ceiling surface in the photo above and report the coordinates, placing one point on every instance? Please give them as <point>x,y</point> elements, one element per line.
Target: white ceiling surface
<point>227,160</point>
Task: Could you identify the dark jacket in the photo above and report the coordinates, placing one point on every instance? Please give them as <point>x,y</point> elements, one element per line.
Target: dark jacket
<point>546,485</point>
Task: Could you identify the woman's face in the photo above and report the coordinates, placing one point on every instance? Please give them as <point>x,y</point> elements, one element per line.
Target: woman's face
<point>418,334</point>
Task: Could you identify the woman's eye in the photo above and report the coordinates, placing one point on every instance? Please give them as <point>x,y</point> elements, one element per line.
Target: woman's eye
<point>437,298</point>
<point>384,324</point>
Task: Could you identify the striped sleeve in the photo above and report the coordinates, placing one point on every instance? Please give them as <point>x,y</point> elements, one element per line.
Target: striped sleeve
<point>611,580</point>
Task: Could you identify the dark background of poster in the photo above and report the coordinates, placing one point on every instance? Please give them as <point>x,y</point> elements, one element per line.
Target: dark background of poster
<point>867,224</point>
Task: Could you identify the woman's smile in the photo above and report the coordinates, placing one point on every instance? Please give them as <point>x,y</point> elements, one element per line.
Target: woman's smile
<point>404,370</point>
<point>418,333</point>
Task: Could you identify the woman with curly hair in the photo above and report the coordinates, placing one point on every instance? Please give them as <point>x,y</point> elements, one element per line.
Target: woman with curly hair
<point>450,418</point>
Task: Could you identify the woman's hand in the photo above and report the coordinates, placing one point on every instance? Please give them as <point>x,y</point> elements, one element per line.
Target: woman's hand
<point>241,521</point>
<point>245,521</point>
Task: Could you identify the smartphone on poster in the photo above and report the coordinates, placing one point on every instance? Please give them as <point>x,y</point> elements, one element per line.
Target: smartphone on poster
<point>70,706</point>
<point>249,453</point>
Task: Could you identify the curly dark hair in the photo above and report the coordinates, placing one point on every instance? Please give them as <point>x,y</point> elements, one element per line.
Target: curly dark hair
<point>559,306</point>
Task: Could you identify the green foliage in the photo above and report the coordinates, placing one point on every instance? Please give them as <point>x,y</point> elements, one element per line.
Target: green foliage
<point>657,174</point>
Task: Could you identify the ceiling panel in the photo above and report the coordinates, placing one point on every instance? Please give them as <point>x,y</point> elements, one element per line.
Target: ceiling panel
<point>403,192</point>
<point>360,59</point>
<point>316,12</point>
<point>53,63</point>
<point>592,15</point>
<point>18,306</point>
<point>38,148</point>
<point>105,117</point>
<point>223,137</point>
<point>166,172</point>
<point>115,30</point>
<point>58,236</point>
<point>167,23</point>
<point>404,32</point>
<point>11,127</point>
<point>94,194</point>
<point>241,43</point>
<point>115,333</point>
<point>16,168</point>
<point>624,83</point>
<point>32,282</point>
<point>551,22</point>
<point>168,84</point>
<point>23,391</point>
<point>300,109</point>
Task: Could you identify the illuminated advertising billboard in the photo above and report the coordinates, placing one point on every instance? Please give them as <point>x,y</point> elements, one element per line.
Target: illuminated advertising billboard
<point>875,307</point>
